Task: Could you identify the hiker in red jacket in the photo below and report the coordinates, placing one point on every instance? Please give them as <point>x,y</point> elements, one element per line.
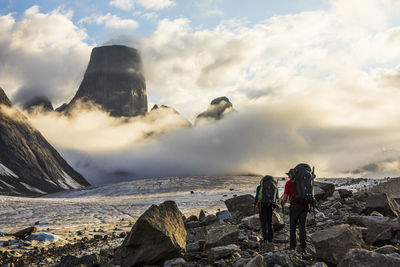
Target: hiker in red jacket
<point>298,214</point>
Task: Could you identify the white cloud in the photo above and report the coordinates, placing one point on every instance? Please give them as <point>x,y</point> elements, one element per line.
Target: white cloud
<point>150,15</point>
<point>156,4</point>
<point>41,54</point>
<point>125,5</point>
<point>146,15</point>
<point>111,21</point>
<point>214,12</point>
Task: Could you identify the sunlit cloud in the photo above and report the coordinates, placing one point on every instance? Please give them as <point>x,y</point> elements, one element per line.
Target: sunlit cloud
<point>111,21</point>
<point>127,5</point>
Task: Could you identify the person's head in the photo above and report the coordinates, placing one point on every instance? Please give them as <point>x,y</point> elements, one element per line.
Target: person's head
<point>290,173</point>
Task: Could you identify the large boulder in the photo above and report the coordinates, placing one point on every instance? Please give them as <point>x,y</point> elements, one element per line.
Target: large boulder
<point>328,188</point>
<point>114,80</point>
<point>380,229</point>
<point>158,235</point>
<point>220,235</point>
<point>254,221</point>
<point>242,204</point>
<point>363,257</point>
<point>382,203</point>
<point>332,244</point>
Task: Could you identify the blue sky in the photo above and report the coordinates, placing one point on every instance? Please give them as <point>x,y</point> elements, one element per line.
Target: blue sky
<point>323,75</point>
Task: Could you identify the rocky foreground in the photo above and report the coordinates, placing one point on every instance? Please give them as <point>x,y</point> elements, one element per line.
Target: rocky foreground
<point>346,229</point>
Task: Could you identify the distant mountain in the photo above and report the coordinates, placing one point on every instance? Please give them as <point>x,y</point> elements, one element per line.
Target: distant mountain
<point>114,80</point>
<point>38,102</point>
<point>29,165</point>
<point>218,108</point>
<point>180,121</point>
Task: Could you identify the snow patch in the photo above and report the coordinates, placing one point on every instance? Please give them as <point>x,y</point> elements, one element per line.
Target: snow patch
<point>44,237</point>
<point>7,172</point>
<point>8,185</point>
<point>69,182</point>
<point>34,189</point>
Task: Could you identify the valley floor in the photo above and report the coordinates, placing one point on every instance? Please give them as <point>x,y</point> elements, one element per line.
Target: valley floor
<point>78,216</point>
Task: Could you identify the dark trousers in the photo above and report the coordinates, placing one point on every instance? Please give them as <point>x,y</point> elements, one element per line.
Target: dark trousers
<point>298,216</point>
<point>266,222</point>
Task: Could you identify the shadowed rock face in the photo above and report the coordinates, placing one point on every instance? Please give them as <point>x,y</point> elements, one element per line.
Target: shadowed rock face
<point>114,80</point>
<point>218,108</point>
<point>38,102</point>
<point>29,165</point>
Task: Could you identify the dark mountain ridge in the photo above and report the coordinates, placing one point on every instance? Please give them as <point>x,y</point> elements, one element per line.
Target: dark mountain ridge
<point>29,165</point>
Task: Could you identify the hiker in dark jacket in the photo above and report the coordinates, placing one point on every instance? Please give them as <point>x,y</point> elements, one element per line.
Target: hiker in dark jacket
<point>298,214</point>
<point>266,209</point>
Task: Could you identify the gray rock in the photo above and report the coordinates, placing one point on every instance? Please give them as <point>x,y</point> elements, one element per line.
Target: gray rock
<point>257,261</point>
<point>253,221</point>
<point>195,234</point>
<point>328,188</point>
<point>114,80</point>
<point>25,233</point>
<point>332,244</point>
<point>221,235</point>
<point>239,262</point>
<point>174,262</point>
<point>268,247</point>
<point>388,249</point>
<point>278,258</point>
<point>220,252</point>
<point>319,264</point>
<point>345,193</point>
<point>383,204</point>
<point>195,246</point>
<point>158,235</point>
<point>87,260</point>
<point>224,215</point>
<point>318,193</point>
<point>363,257</point>
<point>242,204</point>
<point>208,220</point>
<point>380,229</point>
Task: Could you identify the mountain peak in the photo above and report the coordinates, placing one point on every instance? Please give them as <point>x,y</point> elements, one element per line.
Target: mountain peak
<point>4,99</point>
<point>114,80</point>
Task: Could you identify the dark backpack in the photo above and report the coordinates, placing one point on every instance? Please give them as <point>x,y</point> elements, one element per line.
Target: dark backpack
<point>268,191</point>
<point>303,180</point>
